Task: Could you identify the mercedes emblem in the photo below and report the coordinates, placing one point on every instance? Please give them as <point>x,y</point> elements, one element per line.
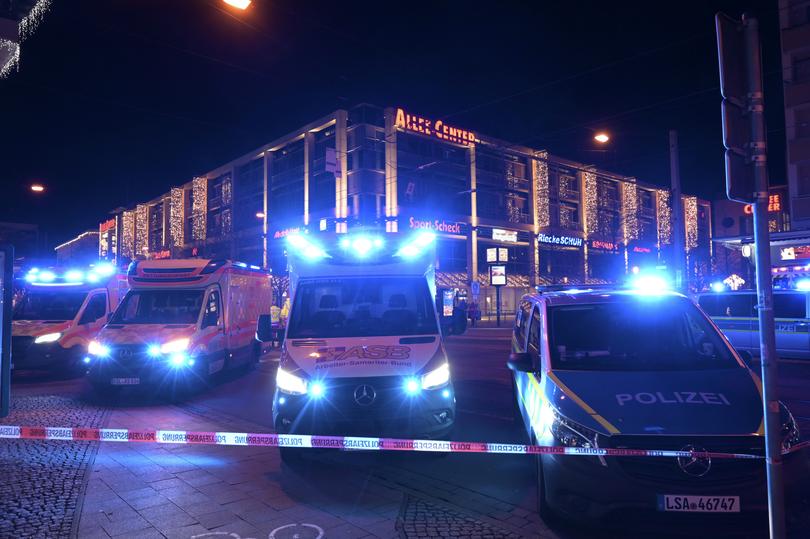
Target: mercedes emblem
<point>694,466</point>
<point>364,395</point>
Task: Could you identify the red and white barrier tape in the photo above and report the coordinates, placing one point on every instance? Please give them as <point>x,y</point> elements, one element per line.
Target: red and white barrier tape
<point>339,442</point>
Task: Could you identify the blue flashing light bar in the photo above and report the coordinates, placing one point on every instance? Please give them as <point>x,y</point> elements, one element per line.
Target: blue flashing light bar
<point>72,277</point>
<point>306,248</point>
<point>417,245</point>
<point>361,246</point>
<point>803,285</point>
<point>718,286</point>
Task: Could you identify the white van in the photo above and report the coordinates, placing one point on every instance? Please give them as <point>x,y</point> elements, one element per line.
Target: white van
<point>363,352</point>
<point>59,312</point>
<point>181,321</point>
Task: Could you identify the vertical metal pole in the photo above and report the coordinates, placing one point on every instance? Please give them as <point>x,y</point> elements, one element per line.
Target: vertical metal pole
<point>678,228</point>
<point>767,336</point>
<point>498,306</point>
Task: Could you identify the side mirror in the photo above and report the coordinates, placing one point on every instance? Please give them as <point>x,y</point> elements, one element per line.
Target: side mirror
<point>520,361</point>
<point>264,328</point>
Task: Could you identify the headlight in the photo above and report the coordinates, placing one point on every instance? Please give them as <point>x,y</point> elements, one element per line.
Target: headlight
<point>48,337</point>
<point>790,430</point>
<point>175,346</point>
<point>437,377</point>
<point>97,349</point>
<point>571,434</point>
<point>290,383</point>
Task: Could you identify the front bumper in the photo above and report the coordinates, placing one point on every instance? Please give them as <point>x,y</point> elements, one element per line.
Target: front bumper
<point>392,413</point>
<point>578,487</point>
<point>25,354</point>
<point>135,368</point>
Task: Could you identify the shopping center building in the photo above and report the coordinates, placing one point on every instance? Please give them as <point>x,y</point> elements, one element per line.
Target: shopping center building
<point>560,221</point>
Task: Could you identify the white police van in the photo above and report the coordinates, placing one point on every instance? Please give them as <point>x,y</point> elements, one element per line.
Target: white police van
<point>631,369</point>
<point>363,352</point>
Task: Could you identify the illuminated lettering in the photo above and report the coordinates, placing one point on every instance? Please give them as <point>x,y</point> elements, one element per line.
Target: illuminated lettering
<point>438,129</point>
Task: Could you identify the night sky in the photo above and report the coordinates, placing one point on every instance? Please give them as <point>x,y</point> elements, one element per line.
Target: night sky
<point>117,101</point>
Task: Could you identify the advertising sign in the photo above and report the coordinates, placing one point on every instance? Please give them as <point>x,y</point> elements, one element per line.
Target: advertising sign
<point>437,129</point>
<point>553,239</point>
<point>509,236</point>
<point>438,225</point>
<point>497,275</point>
<point>497,254</point>
<point>492,254</point>
<point>447,302</point>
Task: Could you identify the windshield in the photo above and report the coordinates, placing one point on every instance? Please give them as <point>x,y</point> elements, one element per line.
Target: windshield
<point>364,307</point>
<point>644,334</point>
<point>50,305</point>
<point>159,307</point>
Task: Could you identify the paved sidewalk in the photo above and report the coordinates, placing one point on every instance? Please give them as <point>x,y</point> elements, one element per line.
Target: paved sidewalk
<point>151,490</point>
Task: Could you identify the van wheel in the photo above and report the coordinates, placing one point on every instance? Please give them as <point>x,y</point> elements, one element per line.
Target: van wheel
<point>291,456</point>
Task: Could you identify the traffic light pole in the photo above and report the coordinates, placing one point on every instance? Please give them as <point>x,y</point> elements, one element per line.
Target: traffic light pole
<point>767,338</point>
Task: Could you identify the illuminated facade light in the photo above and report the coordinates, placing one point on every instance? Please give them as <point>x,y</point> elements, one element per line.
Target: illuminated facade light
<point>663,215</point>
<point>541,190</point>
<point>690,211</point>
<point>141,229</point>
<point>601,138</point>
<point>37,188</point>
<point>177,217</point>
<point>629,211</point>
<point>128,234</point>
<point>591,190</point>
<point>199,208</point>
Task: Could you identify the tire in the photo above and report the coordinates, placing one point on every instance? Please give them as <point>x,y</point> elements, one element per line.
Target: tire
<point>291,456</point>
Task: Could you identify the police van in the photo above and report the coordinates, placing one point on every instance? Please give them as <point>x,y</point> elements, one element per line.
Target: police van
<point>638,369</point>
<point>363,352</point>
<point>736,315</point>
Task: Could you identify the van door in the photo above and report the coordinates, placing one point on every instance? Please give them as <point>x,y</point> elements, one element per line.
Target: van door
<point>735,315</point>
<point>790,314</point>
<point>212,331</point>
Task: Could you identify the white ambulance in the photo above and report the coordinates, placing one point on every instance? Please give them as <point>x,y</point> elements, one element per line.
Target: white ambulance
<point>363,352</point>
<point>181,321</point>
<point>59,312</point>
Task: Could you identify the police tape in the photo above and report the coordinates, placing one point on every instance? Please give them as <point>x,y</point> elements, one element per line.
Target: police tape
<point>306,441</point>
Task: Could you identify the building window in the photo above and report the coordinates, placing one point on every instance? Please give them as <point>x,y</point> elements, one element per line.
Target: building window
<point>569,216</point>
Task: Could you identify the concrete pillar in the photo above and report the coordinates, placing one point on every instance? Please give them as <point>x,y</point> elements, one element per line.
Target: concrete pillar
<point>472,239</point>
<point>342,177</point>
<point>309,142</point>
<point>391,203</point>
<point>267,169</point>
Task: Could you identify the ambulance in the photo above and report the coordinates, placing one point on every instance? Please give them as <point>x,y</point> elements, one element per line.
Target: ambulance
<point>180,322</point>
<point>59,312</point>
<point>363,352</point>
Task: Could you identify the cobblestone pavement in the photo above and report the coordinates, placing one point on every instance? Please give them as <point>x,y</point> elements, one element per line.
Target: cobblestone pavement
<point>42,480</point>
<point>421,518</point>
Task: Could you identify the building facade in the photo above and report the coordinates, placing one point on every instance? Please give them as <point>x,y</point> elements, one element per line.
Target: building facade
<point>559,221</point>
<point>794,22</point>
<point>82,250</point>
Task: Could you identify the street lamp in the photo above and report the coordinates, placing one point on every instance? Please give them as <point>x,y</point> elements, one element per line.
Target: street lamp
<point>37,187</point>
<point>259,215</point>
<point>238,4</point>
<point>601,137</point>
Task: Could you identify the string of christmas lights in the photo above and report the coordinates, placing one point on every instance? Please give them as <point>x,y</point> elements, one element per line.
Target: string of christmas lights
<point>12,51</point>
<point>177,217</point>
<point>199,208</point>
<point>128,234</point>
<point>690,210</point>
<point>629,211</point>
<point>591,202</point>
<point>663,214</point>
<point>141,229</point>
<point>30,22</point>
<point>541,190</point>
